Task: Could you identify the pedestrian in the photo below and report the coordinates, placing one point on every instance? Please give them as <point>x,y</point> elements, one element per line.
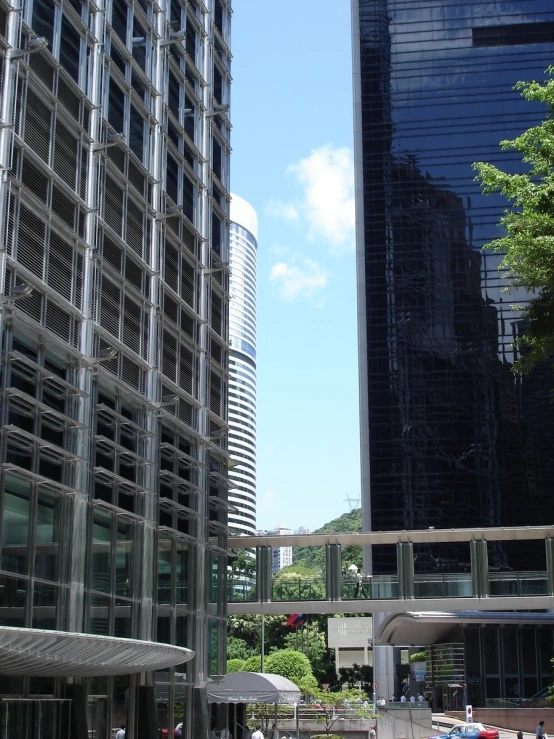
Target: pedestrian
<point>372,733</point>
<point>359,583</point>
<point>539,731</point>
<point>520,734</point>
<point>402,698</point>
<point>412,698</point>
<point>258,734</point>
<point>420,698</point>
<point>121,733</point>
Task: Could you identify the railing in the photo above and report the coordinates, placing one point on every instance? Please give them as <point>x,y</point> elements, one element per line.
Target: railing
<point>385,587</point>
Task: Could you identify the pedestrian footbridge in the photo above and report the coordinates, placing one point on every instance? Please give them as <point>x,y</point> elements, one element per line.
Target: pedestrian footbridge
<point>450,585</point>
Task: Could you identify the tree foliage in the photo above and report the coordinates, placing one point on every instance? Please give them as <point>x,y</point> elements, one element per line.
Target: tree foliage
<point>235,665</point>
<point>238,648</point>
<point>314,557</point>
<point>252,664</point>
<point>528,243</point>
<point>357,674</point>
<point>290,664</point>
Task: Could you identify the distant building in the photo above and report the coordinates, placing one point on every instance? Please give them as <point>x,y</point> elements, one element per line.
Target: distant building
<point>243,249</point>
<point>303,531</point>
<point>280,556</point>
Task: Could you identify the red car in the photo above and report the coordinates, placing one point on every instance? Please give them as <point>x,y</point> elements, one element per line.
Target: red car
<point>469,731</point>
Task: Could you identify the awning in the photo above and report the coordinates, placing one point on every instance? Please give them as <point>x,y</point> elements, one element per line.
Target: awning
<point>69,654</point>
<point>253,687</point>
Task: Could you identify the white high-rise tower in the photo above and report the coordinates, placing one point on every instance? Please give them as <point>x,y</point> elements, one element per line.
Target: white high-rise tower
<point>243,248</point>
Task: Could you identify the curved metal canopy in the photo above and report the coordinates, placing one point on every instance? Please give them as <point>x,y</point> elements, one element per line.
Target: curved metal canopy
<point>253,687</point>
<point>413,628</point>
<point>70,654</point>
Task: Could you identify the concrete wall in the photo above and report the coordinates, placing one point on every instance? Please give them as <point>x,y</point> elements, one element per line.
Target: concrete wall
<point>348,728</point>
<point>404,723</point>
<point>525,719</point>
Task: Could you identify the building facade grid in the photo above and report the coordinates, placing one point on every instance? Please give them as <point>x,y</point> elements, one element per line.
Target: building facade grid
<point>114,210</point>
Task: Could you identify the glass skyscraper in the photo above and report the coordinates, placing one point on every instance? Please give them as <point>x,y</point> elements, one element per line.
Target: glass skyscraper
<point>450,436</point>
<point>243,250</point>
<point>114,151</point>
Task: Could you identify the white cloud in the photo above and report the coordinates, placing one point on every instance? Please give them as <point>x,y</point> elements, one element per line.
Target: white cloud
<point>326,204</point>
<point>327,176</point>
<point>305,279</point>
<point>279,209</point>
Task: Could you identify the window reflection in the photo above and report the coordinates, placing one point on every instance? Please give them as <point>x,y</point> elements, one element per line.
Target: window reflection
<point>15,525</point>
<point>101,552</point>
<point>47,535</point>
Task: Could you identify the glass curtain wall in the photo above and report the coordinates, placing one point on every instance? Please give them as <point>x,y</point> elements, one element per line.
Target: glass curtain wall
<point>450,437</point>
<point>113,467</point>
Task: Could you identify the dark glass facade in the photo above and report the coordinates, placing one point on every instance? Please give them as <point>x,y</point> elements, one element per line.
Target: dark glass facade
<point>450,436</point>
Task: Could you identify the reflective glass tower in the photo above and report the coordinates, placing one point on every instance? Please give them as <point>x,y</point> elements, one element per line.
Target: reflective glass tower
<point>450,437</point>
<point>114,151</point>
<point>243,250</point>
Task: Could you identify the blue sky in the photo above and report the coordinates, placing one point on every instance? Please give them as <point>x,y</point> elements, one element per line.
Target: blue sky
<point>292,160</point>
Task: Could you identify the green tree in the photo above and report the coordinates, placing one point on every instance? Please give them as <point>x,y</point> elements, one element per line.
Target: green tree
<point>528,243</point>
<point>314,557</point>
<point>242,563</point>
<point>289,663</point>
<point>252,664</point>
<point>246,628</point>
<point>309,640</point>
<point>297,582</point>
<point>238,648</point>
<point>235,665</point>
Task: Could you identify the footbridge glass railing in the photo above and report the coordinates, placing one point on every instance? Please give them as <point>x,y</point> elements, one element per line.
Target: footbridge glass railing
<point>426,565</point>
<point>385,587</point>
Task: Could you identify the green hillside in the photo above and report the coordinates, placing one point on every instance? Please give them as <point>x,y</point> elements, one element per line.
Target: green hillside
<point>314,557</point>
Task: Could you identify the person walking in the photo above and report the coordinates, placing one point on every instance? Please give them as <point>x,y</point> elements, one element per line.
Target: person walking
<point>258,734</point>
<point>539,731</point>
<point>121,733</point>
<point>520,734</point>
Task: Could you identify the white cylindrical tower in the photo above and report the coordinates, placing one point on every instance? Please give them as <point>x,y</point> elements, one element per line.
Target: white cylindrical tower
<point>243,247</point>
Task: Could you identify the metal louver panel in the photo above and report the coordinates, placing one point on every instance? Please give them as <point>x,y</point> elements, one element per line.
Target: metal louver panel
<point>132,324</point>
<point>60,266</point>
<point>66,151</point>
<point>113,205</point>
<point>38,121</point>
<point>135,228</point>
<point>110,306</point>
<point>34,180</point>
<point>59,321</point>
<point>30,241</point>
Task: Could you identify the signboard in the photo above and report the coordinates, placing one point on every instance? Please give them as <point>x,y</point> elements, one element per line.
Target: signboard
<point>419,676</point>
<point>469,714</point>
<point>349,633</point>
<point>326,686</point>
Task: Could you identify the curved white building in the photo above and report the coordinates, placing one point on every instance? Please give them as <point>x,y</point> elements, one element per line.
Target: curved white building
<point>243,247</point>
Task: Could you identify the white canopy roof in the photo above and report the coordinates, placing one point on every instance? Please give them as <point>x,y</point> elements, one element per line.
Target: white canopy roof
<point>62,653</point>
<point>253,687</point>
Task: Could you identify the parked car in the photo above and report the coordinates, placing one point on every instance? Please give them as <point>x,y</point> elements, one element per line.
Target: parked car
<point>469,731</point>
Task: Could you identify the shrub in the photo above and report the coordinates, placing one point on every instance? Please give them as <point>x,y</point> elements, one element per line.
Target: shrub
<point>418,657</point>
